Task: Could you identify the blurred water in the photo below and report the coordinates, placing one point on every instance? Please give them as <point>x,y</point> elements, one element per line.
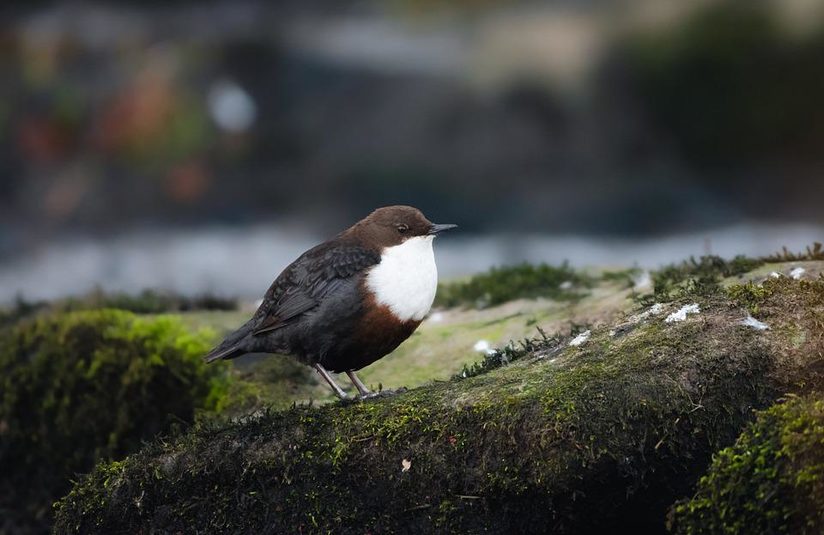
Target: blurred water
<point>243,261</point>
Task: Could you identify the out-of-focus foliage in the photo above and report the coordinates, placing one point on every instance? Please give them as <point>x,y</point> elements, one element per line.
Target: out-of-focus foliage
<point>502,284</point>
<point>703,275</point>
<point>732,87</point>
<point>146,302</point>
<point>272,381</point>
<point>700,276</point>
<point>813,252</point>
<point>85,386</point>
<point>336,111</point>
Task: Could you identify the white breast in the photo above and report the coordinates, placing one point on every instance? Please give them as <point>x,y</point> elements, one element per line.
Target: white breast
<point>406,278</point>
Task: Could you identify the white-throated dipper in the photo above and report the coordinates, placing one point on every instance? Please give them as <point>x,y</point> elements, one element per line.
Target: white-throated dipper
<point>349,301</point>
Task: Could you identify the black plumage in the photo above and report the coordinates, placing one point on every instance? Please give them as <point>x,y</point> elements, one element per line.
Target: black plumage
<point>302,308</point>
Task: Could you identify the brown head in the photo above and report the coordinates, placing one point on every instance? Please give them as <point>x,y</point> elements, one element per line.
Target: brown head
<point>393,225</point>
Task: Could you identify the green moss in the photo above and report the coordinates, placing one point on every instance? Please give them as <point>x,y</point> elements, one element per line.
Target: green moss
<point>624,277</point>
<point>604,436</point>
<point>813,252</point>
<point>145,302</point>
<point>619,425</point>
<point>770,481</point>
<point>698,277</point>
<point>85,386</point>
<point>749,295</point>
<point>502,284</point>
<point>151,302</point>
<point>510,353</point>
<point>803,301</point>
<point>267,382</point>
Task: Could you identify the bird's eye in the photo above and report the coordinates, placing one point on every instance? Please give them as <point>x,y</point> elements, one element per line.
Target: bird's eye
<point>403,229</point>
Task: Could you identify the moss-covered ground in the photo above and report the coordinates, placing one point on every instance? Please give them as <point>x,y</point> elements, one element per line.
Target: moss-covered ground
<point>770,481</point>
<point>440,348</point>
<point>601,435</point>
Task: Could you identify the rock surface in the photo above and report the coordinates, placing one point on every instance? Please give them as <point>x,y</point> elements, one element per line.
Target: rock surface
<point>560,438</point>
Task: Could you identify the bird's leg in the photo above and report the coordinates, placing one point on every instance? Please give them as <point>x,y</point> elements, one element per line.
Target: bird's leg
<point>325,374</point>
<point>364,392</point>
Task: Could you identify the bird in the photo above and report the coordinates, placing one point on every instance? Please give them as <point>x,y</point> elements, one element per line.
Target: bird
<point>348,301</point>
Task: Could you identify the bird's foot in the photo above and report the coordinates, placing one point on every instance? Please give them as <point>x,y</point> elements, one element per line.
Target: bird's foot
<point>337,389</point>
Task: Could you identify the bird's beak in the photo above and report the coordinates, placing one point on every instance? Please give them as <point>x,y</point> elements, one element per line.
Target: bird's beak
<point>437,229</point>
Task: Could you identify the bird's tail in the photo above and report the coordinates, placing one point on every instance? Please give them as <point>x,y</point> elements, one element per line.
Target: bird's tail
<point>232,346</point>
<point>222,353</point>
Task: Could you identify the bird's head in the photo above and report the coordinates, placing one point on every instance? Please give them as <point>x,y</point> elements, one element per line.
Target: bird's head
<point>394,225</point>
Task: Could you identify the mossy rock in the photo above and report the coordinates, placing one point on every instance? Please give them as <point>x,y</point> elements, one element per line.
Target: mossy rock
<point>770,481</point>
<point>80,387</point>
<point>599,436</point>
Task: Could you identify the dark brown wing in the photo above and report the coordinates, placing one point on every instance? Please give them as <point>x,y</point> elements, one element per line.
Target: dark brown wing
<point>303,285</point>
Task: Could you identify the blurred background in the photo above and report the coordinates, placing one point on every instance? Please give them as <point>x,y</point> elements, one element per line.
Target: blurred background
<point>201,146</point>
